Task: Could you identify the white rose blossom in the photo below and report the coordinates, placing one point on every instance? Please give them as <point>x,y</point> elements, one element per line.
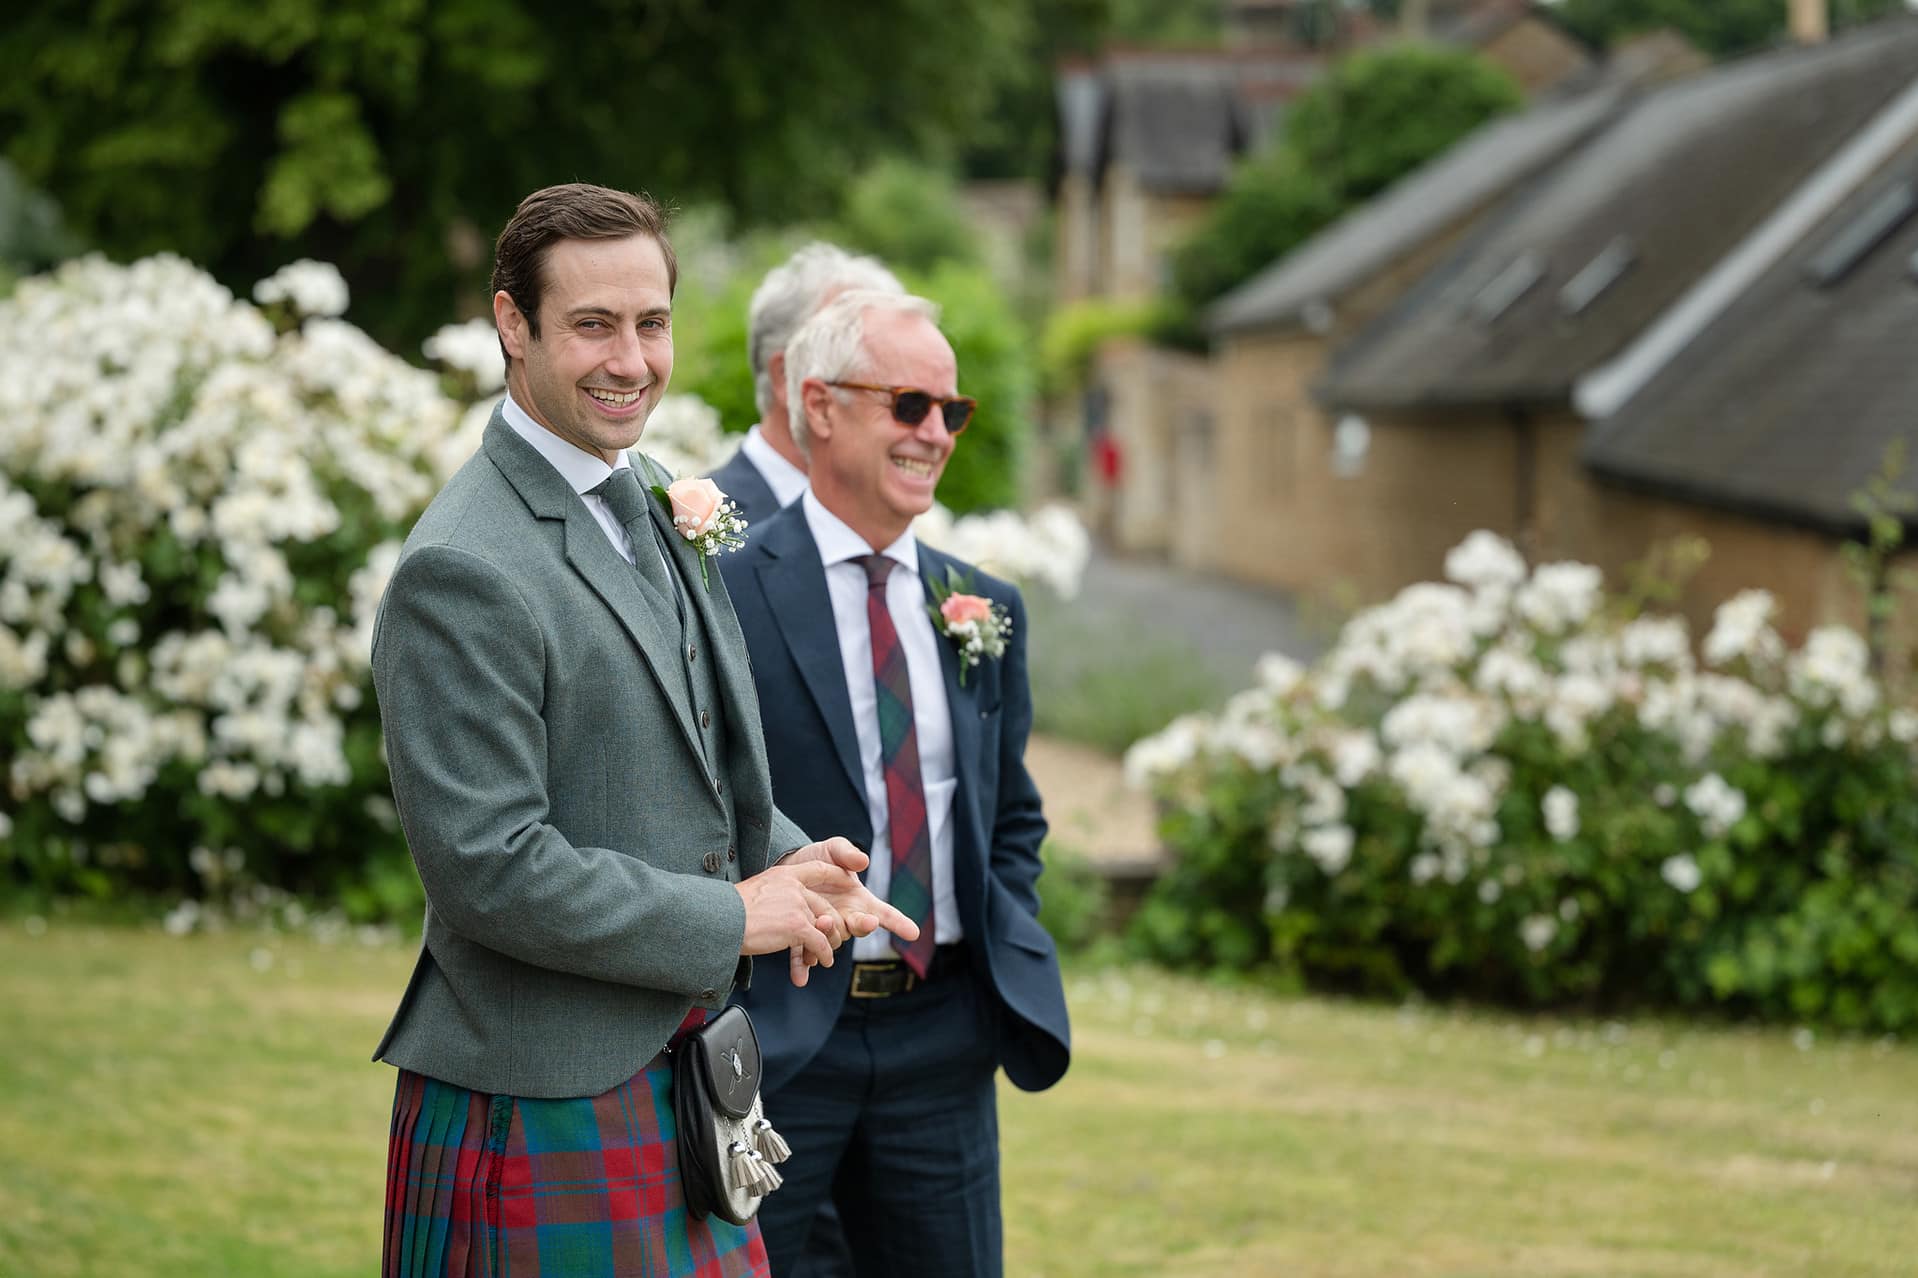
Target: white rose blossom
<point>1717,804</point>
<point>1681,872</point>
<point>313,288</point>
<point>1560,809</point>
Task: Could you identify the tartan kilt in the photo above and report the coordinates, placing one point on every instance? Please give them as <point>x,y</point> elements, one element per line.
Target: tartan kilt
<point>510,1187</point>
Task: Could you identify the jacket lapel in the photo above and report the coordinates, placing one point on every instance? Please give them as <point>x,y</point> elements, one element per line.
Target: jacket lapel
<point>961,702</point>
<point>605,570</point>
<point>793,580</point>
<point>721,625</point>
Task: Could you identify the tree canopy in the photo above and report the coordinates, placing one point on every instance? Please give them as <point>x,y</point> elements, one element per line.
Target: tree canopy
<point>394,137</point>
<point>1719,27</point>
<point>1373,118</point>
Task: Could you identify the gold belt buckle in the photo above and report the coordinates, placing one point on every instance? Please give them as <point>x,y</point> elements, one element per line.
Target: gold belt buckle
<point>861,989</point>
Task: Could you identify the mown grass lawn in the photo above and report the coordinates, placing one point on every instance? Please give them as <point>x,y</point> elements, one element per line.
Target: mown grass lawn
<point>204,1106</point>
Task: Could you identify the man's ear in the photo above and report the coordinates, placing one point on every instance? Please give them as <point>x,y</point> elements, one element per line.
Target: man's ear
<point>817,398</point>
<point>776,370</point>
<point>514,333</point>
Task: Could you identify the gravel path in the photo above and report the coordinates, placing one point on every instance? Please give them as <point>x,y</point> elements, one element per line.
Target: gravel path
<point>1226,626</point>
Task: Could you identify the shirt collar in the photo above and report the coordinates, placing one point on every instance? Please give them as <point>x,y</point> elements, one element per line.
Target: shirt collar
<point>785,479</point>
<point>583,470</point>
<point>838,543</point>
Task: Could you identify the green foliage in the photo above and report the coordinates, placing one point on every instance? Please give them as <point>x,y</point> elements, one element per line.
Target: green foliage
<point>1273,204</point>
<point>995,367</point>
<point>375,134</point>
<point>1372,119</point>
<point>32,235</point>
<point>1719,27</point>
<point>908,216</point>
<point>1886,505</point>
<point>1379,114</point>
<point>1075,332</point>
<point>718,271</point>
<point>1074,901</point>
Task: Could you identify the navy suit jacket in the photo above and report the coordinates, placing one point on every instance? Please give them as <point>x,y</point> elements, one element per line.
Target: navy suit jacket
<point>740,480</point>
<point>778,588</point>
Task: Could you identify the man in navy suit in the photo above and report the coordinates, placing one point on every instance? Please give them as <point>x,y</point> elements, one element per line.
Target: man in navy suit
<point>880,1073</point>
<point>769,472</point>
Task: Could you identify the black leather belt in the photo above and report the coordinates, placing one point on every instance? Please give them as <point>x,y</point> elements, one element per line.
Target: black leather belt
<point>885,978</point>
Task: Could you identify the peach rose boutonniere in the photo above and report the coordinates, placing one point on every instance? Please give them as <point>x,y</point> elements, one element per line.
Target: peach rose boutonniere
<point>977,626</point>
<point>704,516</point>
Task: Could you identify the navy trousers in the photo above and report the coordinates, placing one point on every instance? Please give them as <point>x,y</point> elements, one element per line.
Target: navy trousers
<point>896,1121</point>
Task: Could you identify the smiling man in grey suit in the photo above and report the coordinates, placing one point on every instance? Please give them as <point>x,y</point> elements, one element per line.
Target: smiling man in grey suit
<point>577,759</point>
<point>880,1072</point>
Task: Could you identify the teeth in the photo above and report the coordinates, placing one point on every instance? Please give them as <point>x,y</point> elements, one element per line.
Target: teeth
<point>911,467</point>
<point>613,399</point>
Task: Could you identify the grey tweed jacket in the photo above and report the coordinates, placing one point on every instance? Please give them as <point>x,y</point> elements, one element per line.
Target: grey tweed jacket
<point>577,848</point>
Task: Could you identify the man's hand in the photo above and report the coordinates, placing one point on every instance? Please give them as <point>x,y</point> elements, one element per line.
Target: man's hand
<point>812,902</point>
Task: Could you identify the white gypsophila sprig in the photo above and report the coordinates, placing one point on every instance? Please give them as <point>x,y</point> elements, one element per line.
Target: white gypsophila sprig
<point>1742,631</point>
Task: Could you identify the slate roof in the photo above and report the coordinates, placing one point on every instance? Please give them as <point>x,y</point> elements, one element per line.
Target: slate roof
<point>1784,407</point>
<point>1177,120</point>
<point>1581,260</point>
<point>1415,209</point>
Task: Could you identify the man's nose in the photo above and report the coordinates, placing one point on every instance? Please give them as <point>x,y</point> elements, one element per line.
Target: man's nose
<point>628,357</point>
<point>931,429</point>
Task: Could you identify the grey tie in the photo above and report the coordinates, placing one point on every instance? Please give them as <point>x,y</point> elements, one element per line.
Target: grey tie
<point>623,494</point>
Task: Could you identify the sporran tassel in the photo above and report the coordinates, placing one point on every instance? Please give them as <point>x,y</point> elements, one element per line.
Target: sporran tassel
<point>772,1146</point>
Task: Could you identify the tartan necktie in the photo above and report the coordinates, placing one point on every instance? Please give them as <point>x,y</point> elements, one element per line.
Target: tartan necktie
<point>908,830</point>
<point>623,494</point>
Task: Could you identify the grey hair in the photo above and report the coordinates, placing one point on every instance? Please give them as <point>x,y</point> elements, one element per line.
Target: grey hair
<point>792,292</point>
<point>832,345</point>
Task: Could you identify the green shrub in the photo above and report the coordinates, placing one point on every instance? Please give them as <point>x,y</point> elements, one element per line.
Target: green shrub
<point>1490,788</point>
<point>996,368</point>
<point>198,507</point>
<point>1382,112</point>
<point>1073,899</point>
<point>1075,332</point>
<point>908,216</point>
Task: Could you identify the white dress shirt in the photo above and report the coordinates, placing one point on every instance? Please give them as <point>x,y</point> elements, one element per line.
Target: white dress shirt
<point>785,479</point>
<point>839,546</point>
<point>584,471</point>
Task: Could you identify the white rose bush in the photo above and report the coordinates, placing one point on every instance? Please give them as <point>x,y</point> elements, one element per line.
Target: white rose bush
<point>1495,786</point>
<point>201,500</point>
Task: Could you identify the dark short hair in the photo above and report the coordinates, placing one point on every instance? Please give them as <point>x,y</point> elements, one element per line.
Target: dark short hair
<point>572,211</point>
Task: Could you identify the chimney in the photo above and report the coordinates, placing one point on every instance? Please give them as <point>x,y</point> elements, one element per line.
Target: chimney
<point>1810,21</point>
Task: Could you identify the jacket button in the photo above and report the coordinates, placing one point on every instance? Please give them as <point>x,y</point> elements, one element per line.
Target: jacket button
<point>707,996</point>
<point>692,653</point>
<point>705,719</point>
<point>732,854</point>
<point>712,863</point>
